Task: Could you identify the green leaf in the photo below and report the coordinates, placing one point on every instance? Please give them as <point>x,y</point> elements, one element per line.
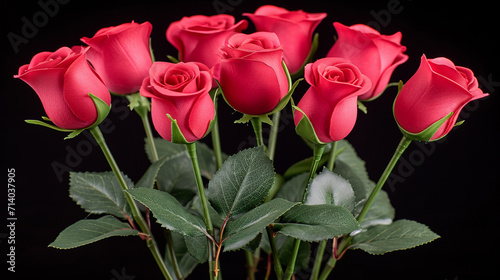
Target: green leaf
<point>148,179</point>
<point>169,212</point>
<point>99,193</point>
<point>347,164</point>
<point>294,188</point>
<point>186,262</point>
<point>176,174</point>
<point>244,229</point>
<point>330,188</point>
<point>303,256</point>
<point>206,157</point>
<point>316,222</point>
<point>352,168</point>
<point>88,231</point>
<point>177,178</point>
<point>304,165</point>
<point>197,247</point>
<point>164,148</point>
<point>242,182</point>
<point>381,212</point>
<point>400,235</point>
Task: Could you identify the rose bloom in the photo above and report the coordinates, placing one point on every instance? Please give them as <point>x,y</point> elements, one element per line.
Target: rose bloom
<point>251,73</point>
<point>374,54</point>
<point>63,80</point>
<point>198,38</point>
<point>294,29</point>
<point>330,103</point>
<point>121,55</point>
<point>436,90</point>
<point>182,91</point>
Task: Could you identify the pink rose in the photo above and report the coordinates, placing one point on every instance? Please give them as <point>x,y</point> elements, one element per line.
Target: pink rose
<point>63,80</point>
<point>374,54</point>
<point>433,98</point>
<point>294,29</point>
<point>198,38</point>
<point>251,73</point>
<point>182,91</point>
<point>121,55</point>
<point>330,103</point>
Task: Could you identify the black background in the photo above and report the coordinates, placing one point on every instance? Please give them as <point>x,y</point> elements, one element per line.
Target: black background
<point>452,188</point>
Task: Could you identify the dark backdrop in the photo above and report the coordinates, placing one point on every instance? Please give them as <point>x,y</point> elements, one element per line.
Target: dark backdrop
<point>450,186</point>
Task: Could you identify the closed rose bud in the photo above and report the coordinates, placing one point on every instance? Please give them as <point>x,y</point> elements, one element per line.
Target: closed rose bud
<point>374,54</point>
<point>330,103</point>
<point>199,37</point>
<point>121,55</point>
<point>294,29</point>
<point>180,92</point>
<point>251,72</point>
<point>428,105</point>
<point>63,80</point>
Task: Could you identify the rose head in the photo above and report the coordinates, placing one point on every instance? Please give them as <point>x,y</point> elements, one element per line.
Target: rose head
<point>330,104</point>
<point>374,54</point>
<point>63,80</point>
<point>251,73</point>
<point>180,92</point>
<point>121,55</point>
<point>198,38</point>
<point>428,106</point>
<point>294,29</point>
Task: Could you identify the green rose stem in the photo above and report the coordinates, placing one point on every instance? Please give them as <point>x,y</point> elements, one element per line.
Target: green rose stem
<point>273,135</point>
<point>322,245</point>
<point>191,149</point>
<point>216,146</point>
<point>139,219</point>
<point>142,106</point>
<point>257,127</point>
<point>403,144</point>
<point>317,153</point>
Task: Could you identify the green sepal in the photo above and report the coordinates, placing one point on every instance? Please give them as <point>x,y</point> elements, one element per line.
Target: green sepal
<point>362,107</point>
<point>102,112</point>
<point>281,104</point>
<point>309,58</point>
<point>305,129</point>
<point>426,134</point>
<point>213,94</point>
<point>177,136</point>
<point>139,103</point>
<point>153,59</point>
<point>173,59</point>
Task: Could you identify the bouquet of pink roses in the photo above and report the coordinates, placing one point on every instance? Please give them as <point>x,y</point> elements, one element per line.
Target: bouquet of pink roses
<point>207,202</point>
